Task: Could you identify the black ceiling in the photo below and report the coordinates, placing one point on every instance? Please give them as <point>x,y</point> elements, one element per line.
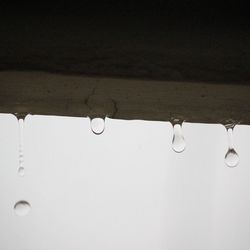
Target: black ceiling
<point>172,40</point>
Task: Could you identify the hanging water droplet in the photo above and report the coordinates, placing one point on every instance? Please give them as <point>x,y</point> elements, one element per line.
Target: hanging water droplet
<point>178,142</point>
<point>21,155</point>
<point>21,171</point>
<point>97,125</point>
<point>231,157</point>
<point>22,208</point>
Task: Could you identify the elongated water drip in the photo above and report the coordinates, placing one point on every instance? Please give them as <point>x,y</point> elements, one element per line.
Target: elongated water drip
<point>178,142</point>
<point>97,125</point>
<point>231,157</point>
<point>21,146</point>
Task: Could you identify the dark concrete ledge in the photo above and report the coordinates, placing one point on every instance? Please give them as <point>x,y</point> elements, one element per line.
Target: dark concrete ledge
<point>54,94</point>
<point>156,61</point>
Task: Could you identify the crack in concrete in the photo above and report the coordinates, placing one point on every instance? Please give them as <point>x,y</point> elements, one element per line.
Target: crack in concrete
<point>115,108</point>
<point>92,93</point>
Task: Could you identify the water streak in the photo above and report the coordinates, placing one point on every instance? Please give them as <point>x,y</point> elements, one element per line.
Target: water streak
<point>21,147</point>
<point>231,157</point>
<point>178,142</point>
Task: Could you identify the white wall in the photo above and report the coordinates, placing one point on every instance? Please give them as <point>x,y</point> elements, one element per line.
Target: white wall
<point>125,189</point>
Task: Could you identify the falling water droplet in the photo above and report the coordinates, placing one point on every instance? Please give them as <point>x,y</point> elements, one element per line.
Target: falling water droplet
<point>231,157</point>
<point>97,125</point>
<point>22,208</point>
<point>21,155</point>
<point>178,142</point>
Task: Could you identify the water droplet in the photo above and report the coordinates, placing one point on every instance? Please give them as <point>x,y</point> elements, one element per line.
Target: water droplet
<point>97,125</point>
<point>22,208</point>
<point>178,142</point>
<point>231,157</point>
<point>21,171</point>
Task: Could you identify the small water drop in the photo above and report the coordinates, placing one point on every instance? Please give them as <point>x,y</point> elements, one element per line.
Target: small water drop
<point>97,125</point>
<point>178,142</point>
<point>22,208</point>
<point>231,157</point>
<point>21,171</point>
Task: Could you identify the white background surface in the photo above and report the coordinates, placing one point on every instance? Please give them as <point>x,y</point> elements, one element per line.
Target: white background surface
<point>125,189</point>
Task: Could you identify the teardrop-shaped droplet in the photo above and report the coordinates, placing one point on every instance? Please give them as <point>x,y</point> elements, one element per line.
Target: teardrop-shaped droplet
<point>22,208</point>
<point>21,171</point>
<point>97,125</point>
<point>231,157</point>
<point>178,142</point>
